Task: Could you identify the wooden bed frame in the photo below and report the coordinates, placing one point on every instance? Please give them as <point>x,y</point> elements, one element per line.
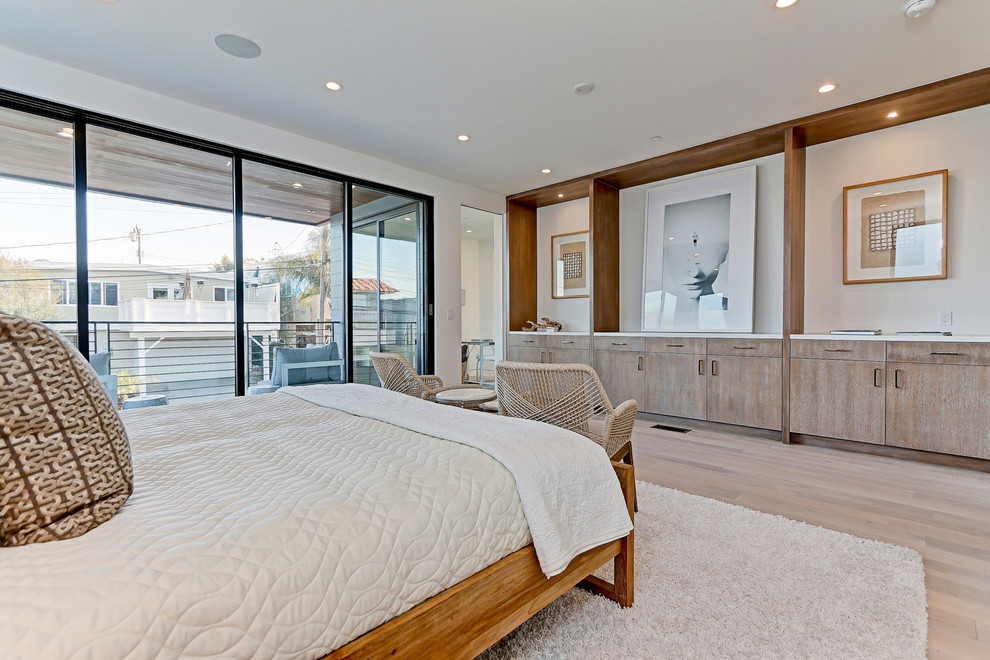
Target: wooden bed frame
<point>470,616</point>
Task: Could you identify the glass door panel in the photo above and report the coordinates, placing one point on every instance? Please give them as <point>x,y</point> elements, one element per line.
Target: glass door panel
<point>387,279</point>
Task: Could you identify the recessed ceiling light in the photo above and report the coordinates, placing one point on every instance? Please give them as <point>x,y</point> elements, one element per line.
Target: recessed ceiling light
<point>268,217</point>
<point>656,138</point>
<point>877,194</point>
<point>333,86</point>
<point>408,219</point>
<point>670,238</point>
<point>310,211</point>
<point>826,88</point>
<point>546,170</point>
<point>237,46</point>
<point>560,194</point>
<point>583,88</point>
<point>784,4</point>
<point>467,231</point>
<point>66,132</point>
<point>463,138</point>
<point>892,114</point>
<point>297,185</point>
<point>228,163</point>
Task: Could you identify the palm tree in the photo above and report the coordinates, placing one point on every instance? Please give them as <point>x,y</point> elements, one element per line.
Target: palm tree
<point>309,273</point>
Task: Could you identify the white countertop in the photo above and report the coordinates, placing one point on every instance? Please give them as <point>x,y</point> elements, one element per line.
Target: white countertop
<point>892,337</point>
<point>699,335</point>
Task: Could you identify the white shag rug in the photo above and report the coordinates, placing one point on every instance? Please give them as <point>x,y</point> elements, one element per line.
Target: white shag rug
<point>716,580</point>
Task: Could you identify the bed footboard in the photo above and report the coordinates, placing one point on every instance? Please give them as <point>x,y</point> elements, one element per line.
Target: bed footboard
<point>470,616</point>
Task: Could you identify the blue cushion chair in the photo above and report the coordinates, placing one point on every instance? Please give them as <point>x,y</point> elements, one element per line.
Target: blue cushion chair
<point>303,366</point>
<point>101,363</point>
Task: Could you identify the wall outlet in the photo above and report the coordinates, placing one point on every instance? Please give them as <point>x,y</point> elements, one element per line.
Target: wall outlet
<point>945,318</point>
<point>450,314</point>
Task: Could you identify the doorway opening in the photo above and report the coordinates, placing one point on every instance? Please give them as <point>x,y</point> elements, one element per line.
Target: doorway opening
<point>481,295</point>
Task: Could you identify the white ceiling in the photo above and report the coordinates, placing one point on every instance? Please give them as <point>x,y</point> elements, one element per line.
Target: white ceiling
<point>418,73</point>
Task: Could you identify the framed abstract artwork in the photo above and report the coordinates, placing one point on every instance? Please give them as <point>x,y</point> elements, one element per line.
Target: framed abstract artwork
<point>699,254</point>
<point>569,257</point>
<point>895,230</point>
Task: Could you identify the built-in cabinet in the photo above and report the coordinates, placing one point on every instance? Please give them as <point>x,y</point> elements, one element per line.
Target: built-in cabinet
<point>721,380</point>
<point>548,348</point>
<point>932,396</point>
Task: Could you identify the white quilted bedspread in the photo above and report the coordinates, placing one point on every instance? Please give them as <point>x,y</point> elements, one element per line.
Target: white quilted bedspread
<point>272,527</point>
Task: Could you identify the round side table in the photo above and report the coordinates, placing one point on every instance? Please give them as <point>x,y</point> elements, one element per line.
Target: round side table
<point>468,397</point>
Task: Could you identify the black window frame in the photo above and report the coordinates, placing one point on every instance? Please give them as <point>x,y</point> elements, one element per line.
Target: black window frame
<point>80,119</point>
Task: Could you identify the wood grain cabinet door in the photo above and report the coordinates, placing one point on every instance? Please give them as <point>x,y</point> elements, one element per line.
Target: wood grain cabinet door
<point>568,356</point>
<point>622,374</point>
<point>525,354</point>
<point>744,391</point>
<point>838,399</point>
<point>939,407</point>
<point>677,385</point>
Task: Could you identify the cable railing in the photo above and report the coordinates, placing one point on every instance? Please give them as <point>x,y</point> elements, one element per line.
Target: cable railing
<point>195,361</point>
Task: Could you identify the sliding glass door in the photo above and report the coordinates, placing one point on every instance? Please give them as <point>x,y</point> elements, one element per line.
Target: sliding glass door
<point>387,279</point>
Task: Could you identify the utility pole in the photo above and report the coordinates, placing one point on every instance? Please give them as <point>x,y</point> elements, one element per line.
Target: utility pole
<point>136,238</point>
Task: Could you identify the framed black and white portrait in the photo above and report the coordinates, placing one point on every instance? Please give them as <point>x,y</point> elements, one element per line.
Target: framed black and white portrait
<point>699,254</point>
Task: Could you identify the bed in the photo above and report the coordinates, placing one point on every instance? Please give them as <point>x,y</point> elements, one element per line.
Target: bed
<point>325,521</point>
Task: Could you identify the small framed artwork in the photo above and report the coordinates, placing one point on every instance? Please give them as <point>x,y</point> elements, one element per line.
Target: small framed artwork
<point>569,256</point>
<point>895,230</point>
<point>699,254</point>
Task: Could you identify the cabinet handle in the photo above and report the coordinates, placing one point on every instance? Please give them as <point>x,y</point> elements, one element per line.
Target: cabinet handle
<point>551,357</point>
<point>943,353</point>
<point>897,378</point>
<point>528,341</point>
<point>675,345</point>
<point>714,367</point>
<point>640,367</point>
<point>618,343</point>
<point>744,348</point>
<point>542,356</point>
<point>838,350</point>
<point>876,378</point>
<point>701,367</point>
<point>566,342</point>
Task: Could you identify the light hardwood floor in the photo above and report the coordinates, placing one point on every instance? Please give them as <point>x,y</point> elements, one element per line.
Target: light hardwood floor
<point>942,512</point>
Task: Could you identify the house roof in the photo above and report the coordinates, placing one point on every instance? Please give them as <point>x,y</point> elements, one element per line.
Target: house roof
<point>686,71</point>
<point>368,284</point>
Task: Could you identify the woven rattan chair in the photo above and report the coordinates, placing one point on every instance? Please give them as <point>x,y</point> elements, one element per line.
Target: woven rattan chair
<point>566,395</point>
<point>395,373</point>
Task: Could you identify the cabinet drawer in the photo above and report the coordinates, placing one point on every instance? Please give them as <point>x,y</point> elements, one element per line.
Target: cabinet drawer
<point>938,352</point>
<point>692,345</point>
<point>637,344</point>
<point>529,340</point>
<point>838,349</point>
<point>566,341</point>
<point>745,347</point>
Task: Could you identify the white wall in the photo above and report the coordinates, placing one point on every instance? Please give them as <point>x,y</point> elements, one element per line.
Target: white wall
<point>768,281</point>
<point>48,80</point>
<point>563,218</point>
<point>471,309</point>
<point>959,142</point>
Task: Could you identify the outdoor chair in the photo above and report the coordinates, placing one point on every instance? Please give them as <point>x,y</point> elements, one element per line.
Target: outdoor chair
<point>303,366</point>
<point>396,374</point>
<point>568,396</point>
<point>101,364</point>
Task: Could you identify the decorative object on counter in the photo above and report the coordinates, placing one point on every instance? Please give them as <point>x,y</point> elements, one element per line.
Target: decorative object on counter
<point>569,256</point>
<point>895,230</point>
<point>699,254</point>
<point>855,332</point>
<point>546,326</point>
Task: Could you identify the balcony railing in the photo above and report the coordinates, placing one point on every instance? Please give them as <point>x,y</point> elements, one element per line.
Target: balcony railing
<point>195,361</point>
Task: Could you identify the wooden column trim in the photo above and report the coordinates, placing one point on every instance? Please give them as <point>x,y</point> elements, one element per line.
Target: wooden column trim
<point>604,239</point>
<point>795,168</point>
<point>521,241</point>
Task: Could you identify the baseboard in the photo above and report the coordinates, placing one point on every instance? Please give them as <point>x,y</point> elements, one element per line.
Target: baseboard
<point>916,455</point>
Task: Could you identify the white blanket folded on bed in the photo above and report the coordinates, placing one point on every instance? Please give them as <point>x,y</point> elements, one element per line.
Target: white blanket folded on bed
<point>570,506</point>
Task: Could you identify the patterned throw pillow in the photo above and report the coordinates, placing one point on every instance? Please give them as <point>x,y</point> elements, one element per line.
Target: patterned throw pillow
<point>65,464</point>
